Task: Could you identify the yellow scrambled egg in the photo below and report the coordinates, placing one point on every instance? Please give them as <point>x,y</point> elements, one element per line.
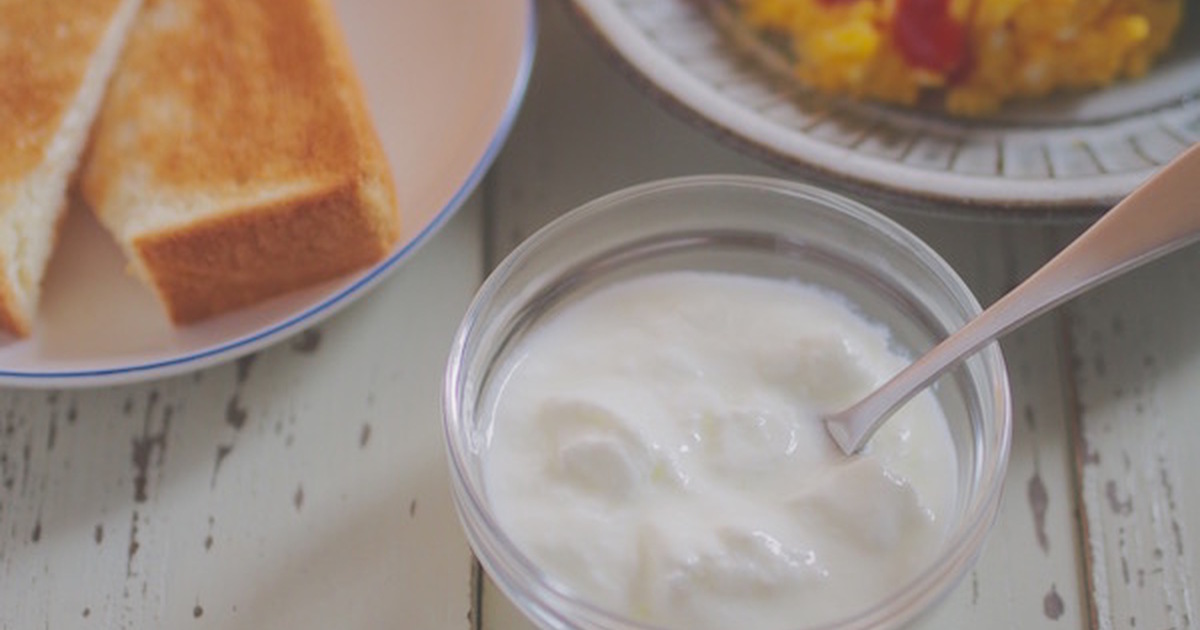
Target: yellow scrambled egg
<point>974,54</point>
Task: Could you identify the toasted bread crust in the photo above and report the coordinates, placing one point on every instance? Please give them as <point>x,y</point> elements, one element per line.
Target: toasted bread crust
<point>238,259</point>
<point>229,102</point>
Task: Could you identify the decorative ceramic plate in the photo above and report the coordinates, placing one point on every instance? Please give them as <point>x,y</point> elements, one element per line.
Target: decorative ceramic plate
<point>443,82</point>
<point>1066,156</point>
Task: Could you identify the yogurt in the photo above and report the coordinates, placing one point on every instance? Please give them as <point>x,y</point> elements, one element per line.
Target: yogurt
<point>656,447</point>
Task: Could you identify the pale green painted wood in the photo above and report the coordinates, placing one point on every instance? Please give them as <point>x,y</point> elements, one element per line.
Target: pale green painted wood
<point>303,488</point>
<point>1136,344</point>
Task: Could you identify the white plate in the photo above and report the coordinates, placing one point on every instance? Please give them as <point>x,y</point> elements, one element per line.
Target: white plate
<point>443,81</point>
<point>1067,156</point>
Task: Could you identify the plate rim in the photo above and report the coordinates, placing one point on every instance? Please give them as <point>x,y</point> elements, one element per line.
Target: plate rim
<point>657,75</point>
<point>242,345</point>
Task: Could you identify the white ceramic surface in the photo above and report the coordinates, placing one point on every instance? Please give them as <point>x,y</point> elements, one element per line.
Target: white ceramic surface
<point>443,81</point>
<point>1064,156</point>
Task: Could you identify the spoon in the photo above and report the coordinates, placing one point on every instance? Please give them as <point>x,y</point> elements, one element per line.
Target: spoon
<point>1160,216</point>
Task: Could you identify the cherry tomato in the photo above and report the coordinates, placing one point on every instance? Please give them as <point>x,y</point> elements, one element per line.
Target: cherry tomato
<point>930,38</point>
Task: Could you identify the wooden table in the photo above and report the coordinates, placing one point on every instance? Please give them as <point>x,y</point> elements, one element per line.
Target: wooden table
<point>306,487</point>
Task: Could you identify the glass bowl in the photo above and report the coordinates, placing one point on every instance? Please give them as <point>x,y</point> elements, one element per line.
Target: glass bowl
<point>747,225</point>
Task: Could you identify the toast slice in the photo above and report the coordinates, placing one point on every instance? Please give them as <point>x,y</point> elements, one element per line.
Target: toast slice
<point>55,60</point>
<point>234,158</point>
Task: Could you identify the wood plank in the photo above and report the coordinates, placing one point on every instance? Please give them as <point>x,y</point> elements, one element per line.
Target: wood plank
<point>1029,575</point>
<point>303,487</point>
<point>586,131</point>
<point>1136,347</point>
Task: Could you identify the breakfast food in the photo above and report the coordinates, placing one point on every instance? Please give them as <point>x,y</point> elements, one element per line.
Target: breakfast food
<point>656,447</point>
<point>55,60</point>
<point>234,158</point>
<point>971,55</point>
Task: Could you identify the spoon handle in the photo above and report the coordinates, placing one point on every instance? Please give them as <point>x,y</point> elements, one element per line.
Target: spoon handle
<point>1159,217</point>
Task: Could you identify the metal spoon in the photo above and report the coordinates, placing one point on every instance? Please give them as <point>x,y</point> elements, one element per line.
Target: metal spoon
<point>1160,216</point>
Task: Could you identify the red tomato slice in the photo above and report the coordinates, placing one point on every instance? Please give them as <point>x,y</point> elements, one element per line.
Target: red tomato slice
<point>930,38</point>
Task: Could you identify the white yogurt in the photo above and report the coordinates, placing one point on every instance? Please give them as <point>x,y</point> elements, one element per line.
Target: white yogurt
<point>657,448</point>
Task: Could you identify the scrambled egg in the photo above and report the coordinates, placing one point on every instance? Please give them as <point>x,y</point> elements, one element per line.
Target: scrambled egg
<point>974,54</point>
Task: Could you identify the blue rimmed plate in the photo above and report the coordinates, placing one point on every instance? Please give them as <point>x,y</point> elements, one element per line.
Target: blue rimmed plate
<point>444,82</point>
<point>1062,157</point>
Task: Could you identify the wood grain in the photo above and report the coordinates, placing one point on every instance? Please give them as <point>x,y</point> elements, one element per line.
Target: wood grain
<point>302,487</point>
<point>1136,365</point>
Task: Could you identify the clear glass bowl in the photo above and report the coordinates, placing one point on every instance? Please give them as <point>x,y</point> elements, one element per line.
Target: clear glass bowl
<point>747,225</point>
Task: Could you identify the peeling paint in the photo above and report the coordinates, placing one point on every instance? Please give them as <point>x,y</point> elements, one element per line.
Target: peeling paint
<point>307,342</point>
<point>235,414</point>
<point>223,451</point>
<point>1114,503</point>
<point>243,366</point>
<point>134,545</point>
<point>1039,500</point>
<point>148,444</point>
<point>52,432</point>
<point>1052,604</point>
